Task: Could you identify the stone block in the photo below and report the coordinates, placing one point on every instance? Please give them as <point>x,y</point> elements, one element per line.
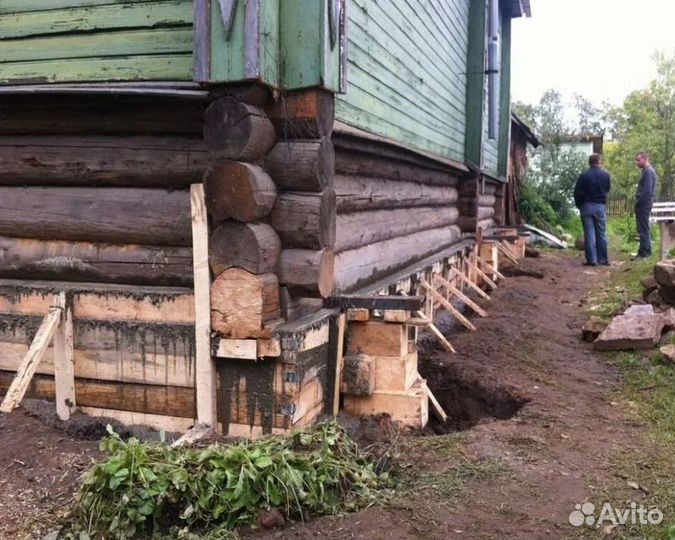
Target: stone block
<point>631,332</point>
<point>664,273</point>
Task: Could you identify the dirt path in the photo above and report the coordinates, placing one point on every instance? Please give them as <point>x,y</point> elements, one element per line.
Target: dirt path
<point>540,405</point>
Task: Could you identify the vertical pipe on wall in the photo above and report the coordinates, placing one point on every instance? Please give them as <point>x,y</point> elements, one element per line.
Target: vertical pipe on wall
<point>494,61</point>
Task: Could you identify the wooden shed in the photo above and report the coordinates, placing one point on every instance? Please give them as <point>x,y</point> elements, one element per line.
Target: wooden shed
<point>201,177</point>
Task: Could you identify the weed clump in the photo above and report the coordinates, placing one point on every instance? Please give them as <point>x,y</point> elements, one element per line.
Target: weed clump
<point>151,489</point>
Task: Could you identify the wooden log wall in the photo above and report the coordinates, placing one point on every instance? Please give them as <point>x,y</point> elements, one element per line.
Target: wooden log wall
<point>95,188</point>
<point>478,200</point>
<point>393,208</point>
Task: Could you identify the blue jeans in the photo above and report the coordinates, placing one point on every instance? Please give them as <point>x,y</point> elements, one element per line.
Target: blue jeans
<point>595,232</point>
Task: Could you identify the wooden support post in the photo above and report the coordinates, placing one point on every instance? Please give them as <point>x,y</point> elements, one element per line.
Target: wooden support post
<point>341,322</point>
<point>447,305</point>
<point>441,338</point>
<point>502,246</point>
<point>471,284</point>
<point>64,363</point>
<point>474,266</point>
<point>205,371</point>
<point>37,349</point>
<point>459,294</point>
<point>435,405</point>
<point>489,267</point>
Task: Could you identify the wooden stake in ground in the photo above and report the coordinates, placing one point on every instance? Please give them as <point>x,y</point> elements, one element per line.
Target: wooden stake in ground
<point>64,364</point>
<point>502,246</point>
<point>435,405</point>
<point>471,284</point>
<point>37,349</point>
<point>341,322</point>
<point>205,372</point>
<point>479,261</point>
<point>441,338</point>
<point>447,305</point>
<point>472,264</point>
<point>459,294</point>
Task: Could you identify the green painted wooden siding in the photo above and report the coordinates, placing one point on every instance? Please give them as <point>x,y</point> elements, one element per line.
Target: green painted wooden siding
<point>491,146</point>
<point>95,40</point>
<point>406,74</point>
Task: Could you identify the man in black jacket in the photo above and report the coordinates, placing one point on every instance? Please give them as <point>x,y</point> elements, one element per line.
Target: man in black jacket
<point>644,199</point>
<point>590,196</point>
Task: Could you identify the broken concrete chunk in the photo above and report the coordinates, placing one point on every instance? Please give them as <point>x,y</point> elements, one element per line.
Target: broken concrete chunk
<point>668,354</point>
<point>592,328</point>
<point>664,273</point>
<point>631,332</point>
<point>639,309</point>
<point>668,317</point>
<point>649,283</point>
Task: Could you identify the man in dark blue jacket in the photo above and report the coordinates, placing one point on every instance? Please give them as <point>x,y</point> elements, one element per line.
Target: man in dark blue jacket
<point>644,199</point>
<point>590,196</point>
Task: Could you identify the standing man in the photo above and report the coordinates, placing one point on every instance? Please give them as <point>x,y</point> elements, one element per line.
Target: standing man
<point>644,199</point>
<point>590,196</point>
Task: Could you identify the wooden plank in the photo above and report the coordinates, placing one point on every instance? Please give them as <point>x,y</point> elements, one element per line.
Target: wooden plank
<point>448,305</point>
<point>205,372</point>
<point>38,347</point>
<point>160,422</point>
<point>171,67</point>
<point>101,302</point>
<point>472,264</point>
<point>434,329</point>
<point>396,315</point>
<point>475,82</point>
<point>268,347</point>
<point>92,18</point>
<point>358,314</point>
<point>459,294</point>
<point>127,42</point>
<point>21,6</point>
<point>240,349</point>
<point>464,279</point>
<point>339,362</point>
<point>482,262</point>
<point>435,405</point>
<point>503,247</point>
<point>64,364</point>
<point>378,302</point>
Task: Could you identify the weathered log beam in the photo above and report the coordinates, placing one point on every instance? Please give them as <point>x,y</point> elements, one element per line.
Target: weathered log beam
<point>362,228</point>
<point>305,219</point>
<point>237,190</point>
<point>237,130</point>
<point>307,272</point>
<point>102,161</point>
<point>368,165</point>
<point>241,303</point>
<point>353,301</point>
<point>23,258</point>
<point>255,247</point>
<point>471,224</point>
<point>486,200</point>
<point>359,266</point>
<point>303,114</point>
<point>117,215</point>
<point>356,193</point>
<point>302,165</point>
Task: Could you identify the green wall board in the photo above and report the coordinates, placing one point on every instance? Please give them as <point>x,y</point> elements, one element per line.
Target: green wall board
<point>475,86</point>
<point>505,104</point>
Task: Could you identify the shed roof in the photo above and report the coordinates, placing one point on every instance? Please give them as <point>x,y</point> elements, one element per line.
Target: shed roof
<point>527,131</point>
<point>521,8</point>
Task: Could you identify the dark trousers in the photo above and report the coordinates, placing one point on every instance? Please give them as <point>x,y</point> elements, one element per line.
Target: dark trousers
<point>642,222</point>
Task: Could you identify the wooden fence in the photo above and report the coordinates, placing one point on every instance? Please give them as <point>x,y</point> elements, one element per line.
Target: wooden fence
<point>619,206</point>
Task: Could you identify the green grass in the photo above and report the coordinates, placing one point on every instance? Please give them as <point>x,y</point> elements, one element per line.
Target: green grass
<point>647,391</point>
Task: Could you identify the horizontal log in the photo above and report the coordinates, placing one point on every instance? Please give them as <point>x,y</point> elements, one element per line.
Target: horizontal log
<point>468,187</point>
<point>101,302</point>
<point>486,200</point>
<point>237,130</point>
<point>378,302</point>
<point>237,190</point>
<point>242,303</point>
<point>307,272</point>
<point>357,267</point>
<point>63,114</point>
<point>468,209</point>
<point>111,351</point>
<point>302,165</point>
<point>471,224</point>
<point>22,258</point>
<point>362,228</point>
<point>144,398</point>
<point>305,220</point>
<point>102,161</point>
<point>362,164</point>
<point>355,193</point>
<point>255,247</point>
<point>116,215</point>
<point>303,114</point>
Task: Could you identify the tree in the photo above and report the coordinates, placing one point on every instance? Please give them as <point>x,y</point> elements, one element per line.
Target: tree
<point>647,122</point>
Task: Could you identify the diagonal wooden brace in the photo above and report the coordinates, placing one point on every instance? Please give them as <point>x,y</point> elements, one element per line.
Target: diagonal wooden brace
<point>448,305</point>
<point>459,294</point>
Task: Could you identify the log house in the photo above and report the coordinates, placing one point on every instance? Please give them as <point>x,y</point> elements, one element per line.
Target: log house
<point>342,148</point>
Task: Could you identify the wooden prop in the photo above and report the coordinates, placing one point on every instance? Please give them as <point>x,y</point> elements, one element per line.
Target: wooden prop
<point>448,305</point>
<point>205,372</point>
<point>502,246</point>
<point>441,338</point>
<point>470,284</point>
<point>459,294</point>
<point>472,264</point>
<point>64,364</point>
<point>435,405</point>
<point>490,268</point>
<point>41,342</point>
<point>341,323</point>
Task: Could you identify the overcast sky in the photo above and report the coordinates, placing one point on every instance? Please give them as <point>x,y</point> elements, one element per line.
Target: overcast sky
<point>601,49</point>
